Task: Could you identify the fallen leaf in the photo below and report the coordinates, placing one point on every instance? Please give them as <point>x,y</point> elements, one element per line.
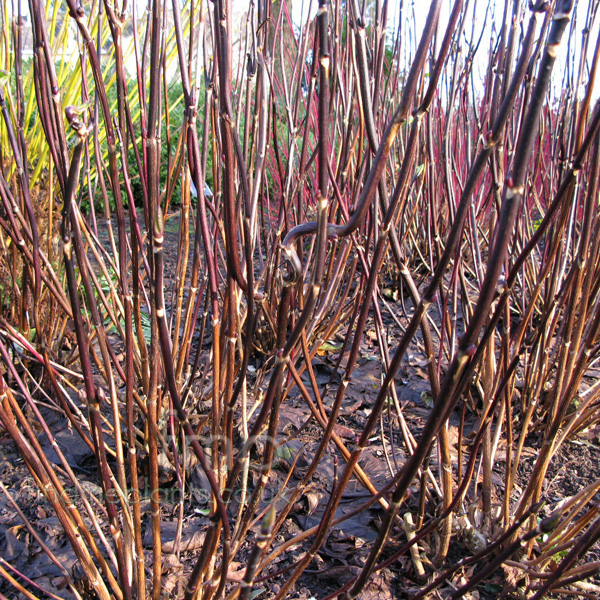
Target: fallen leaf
<point>236,571</point>
<point>173,580</point>
<point>192,537</point>
<point>16,551</point>
<point>345,432</point>
<point>377,588</point>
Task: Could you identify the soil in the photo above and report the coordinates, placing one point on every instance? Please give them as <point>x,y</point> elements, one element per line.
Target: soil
<point>575,467</point>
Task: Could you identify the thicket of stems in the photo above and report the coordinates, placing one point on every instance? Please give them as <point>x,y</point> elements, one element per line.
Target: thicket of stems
<point>309,170</point>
